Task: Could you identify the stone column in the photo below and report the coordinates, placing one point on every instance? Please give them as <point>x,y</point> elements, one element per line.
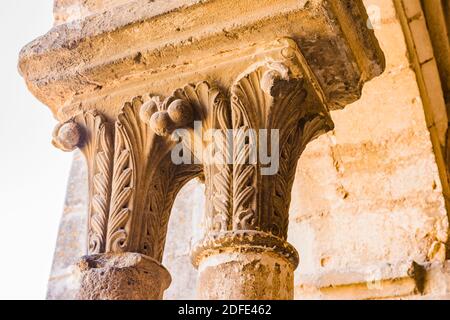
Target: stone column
<point>272,112</point>
<point>246,144</point>
<point>247,266</point>
<point>132,186</point>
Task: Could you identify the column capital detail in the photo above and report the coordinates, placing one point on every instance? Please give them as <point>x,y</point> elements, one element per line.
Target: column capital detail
<point>133,179</point>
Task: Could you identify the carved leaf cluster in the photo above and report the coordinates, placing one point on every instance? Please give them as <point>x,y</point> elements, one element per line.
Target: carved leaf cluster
<point>122,192</point>
<point>264,99</point>
<point>132,183</point>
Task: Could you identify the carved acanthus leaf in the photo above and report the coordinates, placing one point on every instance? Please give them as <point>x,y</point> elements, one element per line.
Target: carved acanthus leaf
<point>309,128</point>
<point>145,181</point>
<point>98,151</point>
<point>119,224</point>
<point>244,183</point>
<point>133,144</point>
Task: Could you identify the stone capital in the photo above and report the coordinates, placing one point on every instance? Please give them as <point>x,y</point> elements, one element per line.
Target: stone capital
<point>110,74</point>
<point>277,106</point>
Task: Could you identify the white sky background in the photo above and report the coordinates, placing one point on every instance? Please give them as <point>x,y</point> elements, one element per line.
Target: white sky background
<point>33,174</point>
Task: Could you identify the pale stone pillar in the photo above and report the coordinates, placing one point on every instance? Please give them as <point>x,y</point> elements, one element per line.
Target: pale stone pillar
<point>132,186</point>
<point>274,111</point>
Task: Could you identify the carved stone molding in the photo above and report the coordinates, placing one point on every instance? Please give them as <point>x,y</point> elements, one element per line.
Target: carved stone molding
<point>244,241</point>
